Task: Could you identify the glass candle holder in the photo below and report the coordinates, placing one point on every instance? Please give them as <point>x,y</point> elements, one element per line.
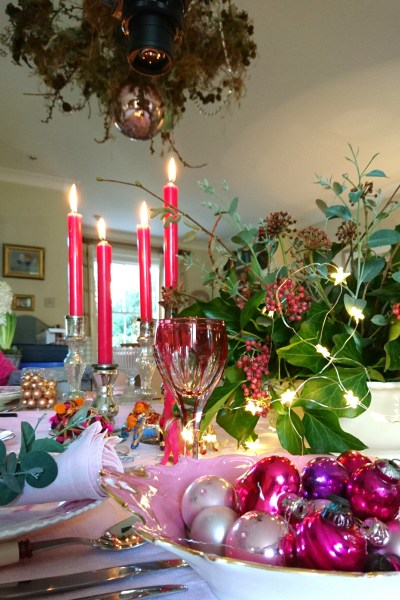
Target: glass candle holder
<point>74,363</point>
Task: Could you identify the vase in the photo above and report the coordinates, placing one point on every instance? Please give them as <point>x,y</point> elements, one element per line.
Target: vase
<point>379,426</point>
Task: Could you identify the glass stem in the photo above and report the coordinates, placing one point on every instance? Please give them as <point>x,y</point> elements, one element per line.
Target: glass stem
<point>198,413</point>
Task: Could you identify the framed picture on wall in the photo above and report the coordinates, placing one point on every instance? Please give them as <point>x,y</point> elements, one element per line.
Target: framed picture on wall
<point>23,261</point>
<point>23,302</point>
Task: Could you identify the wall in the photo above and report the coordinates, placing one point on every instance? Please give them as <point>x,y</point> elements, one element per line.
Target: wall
<point>35,216</point>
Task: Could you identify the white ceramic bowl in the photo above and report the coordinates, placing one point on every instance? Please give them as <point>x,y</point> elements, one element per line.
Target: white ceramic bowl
<point>156,493</point>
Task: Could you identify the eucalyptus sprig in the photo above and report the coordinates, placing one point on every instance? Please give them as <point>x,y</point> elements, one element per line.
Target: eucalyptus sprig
<point>33,464</point>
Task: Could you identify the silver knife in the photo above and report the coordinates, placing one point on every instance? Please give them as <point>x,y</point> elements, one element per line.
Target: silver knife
<point>143,592</point>
<point>28,588</point>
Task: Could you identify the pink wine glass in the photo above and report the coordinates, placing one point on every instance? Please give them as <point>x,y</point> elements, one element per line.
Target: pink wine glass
<point>191,354</point>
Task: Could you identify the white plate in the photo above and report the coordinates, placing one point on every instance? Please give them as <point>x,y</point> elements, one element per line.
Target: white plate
<point>9,393</point>
<point>18,520</point>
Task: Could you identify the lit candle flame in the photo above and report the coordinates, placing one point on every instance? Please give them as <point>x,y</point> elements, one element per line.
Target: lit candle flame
<point>73,199</point>
<point>144,215</point>
<point>101,228</point>
<point>171,170</point>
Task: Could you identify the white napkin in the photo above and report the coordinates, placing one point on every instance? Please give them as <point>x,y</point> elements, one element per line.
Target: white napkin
<point>78,470</point>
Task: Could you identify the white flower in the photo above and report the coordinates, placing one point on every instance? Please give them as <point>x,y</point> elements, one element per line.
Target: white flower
<point>6,298</point>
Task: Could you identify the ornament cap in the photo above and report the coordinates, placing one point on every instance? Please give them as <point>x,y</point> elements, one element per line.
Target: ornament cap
<point>389,470</point>
<point>338,512</point>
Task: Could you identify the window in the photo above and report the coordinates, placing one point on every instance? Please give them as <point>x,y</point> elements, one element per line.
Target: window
<point>125,293</point>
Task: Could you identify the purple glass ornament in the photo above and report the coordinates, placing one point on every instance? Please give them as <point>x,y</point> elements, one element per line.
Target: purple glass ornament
<point>265,482</point>
<point>353,460</point>
<point>330,541</point>
<point>374,490</point>
<point>262,538</point>
<point>322,477</point>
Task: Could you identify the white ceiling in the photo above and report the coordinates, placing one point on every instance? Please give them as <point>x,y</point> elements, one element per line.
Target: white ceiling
<point>328,74</point>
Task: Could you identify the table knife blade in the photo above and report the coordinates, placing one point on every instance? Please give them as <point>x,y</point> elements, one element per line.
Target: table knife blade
<point>143,592</point>
<point>29,588</point>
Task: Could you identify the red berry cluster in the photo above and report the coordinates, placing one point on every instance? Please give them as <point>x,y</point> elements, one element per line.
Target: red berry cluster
<point>255,364</point>
<point>347,232</point>
<point>288,298</point>
<point>396,310</point>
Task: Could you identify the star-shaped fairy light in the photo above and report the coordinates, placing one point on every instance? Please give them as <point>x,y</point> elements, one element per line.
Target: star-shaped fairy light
<point>339,276</point>
<point>351,400</point>
<point>323,350</point>
<point>287,397</point>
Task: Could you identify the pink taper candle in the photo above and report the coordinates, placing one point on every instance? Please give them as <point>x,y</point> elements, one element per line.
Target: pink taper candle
<point>144,255</point>
<point>171,231</point>
<point>104,322</point>
<point>75,263</point>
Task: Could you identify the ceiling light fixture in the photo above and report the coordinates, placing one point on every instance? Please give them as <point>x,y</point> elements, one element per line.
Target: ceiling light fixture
<point>80,53</point>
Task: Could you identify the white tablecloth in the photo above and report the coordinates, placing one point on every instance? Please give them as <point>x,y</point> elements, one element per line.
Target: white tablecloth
<point>75,559</point>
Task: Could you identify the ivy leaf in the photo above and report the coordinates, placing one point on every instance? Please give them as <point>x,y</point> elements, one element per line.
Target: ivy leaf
<point>302,354</point>
<point>392,350</point>
<point>324,434</point>
<point>250,308</point>
<point>40,468</point>
<point>220,396</point>
<point>237,422</point>
<point>327,391</point>
<point>290,431</point>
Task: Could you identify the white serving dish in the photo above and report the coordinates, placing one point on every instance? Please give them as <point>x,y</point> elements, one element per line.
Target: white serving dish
<point>155,494</point>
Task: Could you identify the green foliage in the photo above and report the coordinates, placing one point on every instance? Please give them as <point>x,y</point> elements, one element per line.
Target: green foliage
<point>33,464</point>
<point>322,337</point>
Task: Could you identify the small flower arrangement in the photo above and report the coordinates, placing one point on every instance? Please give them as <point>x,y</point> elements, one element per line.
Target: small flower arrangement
<point>72,417</point>
<point>8,319</point>
<point>310,320</point>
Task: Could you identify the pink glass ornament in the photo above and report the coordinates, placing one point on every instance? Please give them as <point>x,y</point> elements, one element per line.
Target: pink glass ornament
<point>374,490</point>
<point>262,538</point>
<point>210,528</point>
<point>138,111</point>
<point>329,540</point>
<point>265,482</point>
<point>208,490</point>
<point>322,477</point>
<point>353,460</point>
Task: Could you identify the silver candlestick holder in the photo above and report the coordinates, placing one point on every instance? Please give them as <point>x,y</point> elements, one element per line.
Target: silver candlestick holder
<point>146,364</point>
<point>104,377</point>
<point>74,363</point>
